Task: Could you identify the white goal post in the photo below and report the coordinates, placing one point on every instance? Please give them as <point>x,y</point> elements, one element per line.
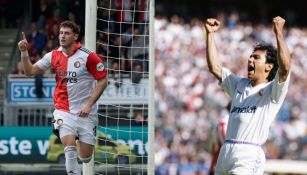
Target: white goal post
<point>91,42</point>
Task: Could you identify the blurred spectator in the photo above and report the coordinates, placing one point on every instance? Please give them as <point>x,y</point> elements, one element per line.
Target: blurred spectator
<point>117,58</point>
<point>39,85</point>
<point>108,16</point>
<point>142,14</point>
<point>162,169</point>
<point>19,69</point>
<point>61,6</point>
<point>138,49</point>
<point>139,118</point>
<point>187,167</point>
<point>124,14</point>
<point>77,7</point>
<point>41,9</point>
<point>137,74</point>
<point>36,40</point>
<point>56,19</point>
<point>72,17</point>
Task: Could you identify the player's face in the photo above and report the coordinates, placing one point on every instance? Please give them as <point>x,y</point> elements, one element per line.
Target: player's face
<point>67,37</point>
<point>257,67</point>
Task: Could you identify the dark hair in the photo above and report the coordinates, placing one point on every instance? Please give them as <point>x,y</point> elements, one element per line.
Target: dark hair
<point>271,57</point>
<point>75,28</point>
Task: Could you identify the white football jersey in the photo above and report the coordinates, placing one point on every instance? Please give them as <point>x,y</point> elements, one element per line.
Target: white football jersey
<point>253,108</point>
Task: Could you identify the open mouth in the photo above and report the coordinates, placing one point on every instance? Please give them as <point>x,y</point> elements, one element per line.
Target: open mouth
<point>250,68</point>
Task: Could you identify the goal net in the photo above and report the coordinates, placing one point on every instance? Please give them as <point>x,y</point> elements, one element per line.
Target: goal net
<point>122,40</point>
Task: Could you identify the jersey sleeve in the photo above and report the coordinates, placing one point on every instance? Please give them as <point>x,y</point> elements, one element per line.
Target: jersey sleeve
<point>279,90</point>
<point>95,66</point>
<point>229,82</point>
<point>45,62</point>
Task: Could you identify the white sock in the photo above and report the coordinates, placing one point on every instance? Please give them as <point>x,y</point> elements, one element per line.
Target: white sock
<point>71,163</point>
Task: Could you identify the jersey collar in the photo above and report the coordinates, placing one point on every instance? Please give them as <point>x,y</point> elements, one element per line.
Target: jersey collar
<point>76,47</point>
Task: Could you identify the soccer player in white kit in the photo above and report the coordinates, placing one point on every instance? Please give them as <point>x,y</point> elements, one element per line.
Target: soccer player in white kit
<point>76,92</point>
<point>255,100</point>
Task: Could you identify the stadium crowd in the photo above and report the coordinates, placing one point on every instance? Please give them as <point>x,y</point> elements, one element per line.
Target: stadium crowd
<point>189,103</point>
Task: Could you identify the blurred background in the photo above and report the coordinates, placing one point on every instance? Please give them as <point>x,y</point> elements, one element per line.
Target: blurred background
<point>189,102</point>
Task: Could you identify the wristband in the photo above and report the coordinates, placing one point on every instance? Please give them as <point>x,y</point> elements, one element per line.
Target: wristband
<point>24,53</point>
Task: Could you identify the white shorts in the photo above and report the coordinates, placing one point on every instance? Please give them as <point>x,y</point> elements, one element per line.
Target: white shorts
<point>71,124</point>
<point>237,158</point>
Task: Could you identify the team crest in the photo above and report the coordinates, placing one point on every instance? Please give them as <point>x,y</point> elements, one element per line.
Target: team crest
<point>77,64</point>
<point>100,67</point>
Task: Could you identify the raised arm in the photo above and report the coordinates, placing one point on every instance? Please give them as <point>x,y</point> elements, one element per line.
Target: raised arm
<point>214,65</point>
<point>284,58</point>
<point>25,59</point>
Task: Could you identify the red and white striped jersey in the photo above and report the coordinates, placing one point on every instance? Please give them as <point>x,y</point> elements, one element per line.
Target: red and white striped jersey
<point>75,77</point>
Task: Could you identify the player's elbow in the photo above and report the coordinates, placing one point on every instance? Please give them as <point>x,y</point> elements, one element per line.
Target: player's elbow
<point>215,70</point>
<point>217,73</point>
<point>28,73</point>
<point>284,69</point>
<point>284,64</point>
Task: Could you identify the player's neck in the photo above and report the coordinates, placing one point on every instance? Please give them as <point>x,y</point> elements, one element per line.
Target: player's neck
<point>255,82</point>
<point>68,50</point>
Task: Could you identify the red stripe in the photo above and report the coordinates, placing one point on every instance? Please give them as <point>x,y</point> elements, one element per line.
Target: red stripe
<point>60,98</point>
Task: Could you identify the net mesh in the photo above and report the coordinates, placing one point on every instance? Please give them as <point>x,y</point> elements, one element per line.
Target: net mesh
<point>123,43</point>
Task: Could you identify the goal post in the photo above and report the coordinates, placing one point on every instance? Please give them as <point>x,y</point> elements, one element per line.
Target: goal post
<point>90,43</point>
<point>151,105</point>
<point>126,108</point>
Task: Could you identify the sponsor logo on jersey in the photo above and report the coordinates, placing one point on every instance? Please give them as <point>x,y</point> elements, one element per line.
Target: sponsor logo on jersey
<point>100,67</point>
<point>246,109</point>
<point>67,76</point>
<point>69,80</point>
<point>77,64</point>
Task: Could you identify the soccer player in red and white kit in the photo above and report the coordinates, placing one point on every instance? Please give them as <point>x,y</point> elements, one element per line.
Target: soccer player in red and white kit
<point>255,100</point>
<point>81,78</point>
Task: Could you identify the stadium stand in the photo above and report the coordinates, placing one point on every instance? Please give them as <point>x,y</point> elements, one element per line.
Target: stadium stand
<point>10,18</point>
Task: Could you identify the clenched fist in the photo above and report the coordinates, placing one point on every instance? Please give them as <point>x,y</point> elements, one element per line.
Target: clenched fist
<point>212,25</point>
<point>23,44</point>
<point>278,24</point>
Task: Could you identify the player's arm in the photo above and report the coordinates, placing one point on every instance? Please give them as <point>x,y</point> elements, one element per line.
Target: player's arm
<point>100,87</point>
<point>284,58</point>
<point>97,69</point>
<point>25,59</point>
<point>214,65</point>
